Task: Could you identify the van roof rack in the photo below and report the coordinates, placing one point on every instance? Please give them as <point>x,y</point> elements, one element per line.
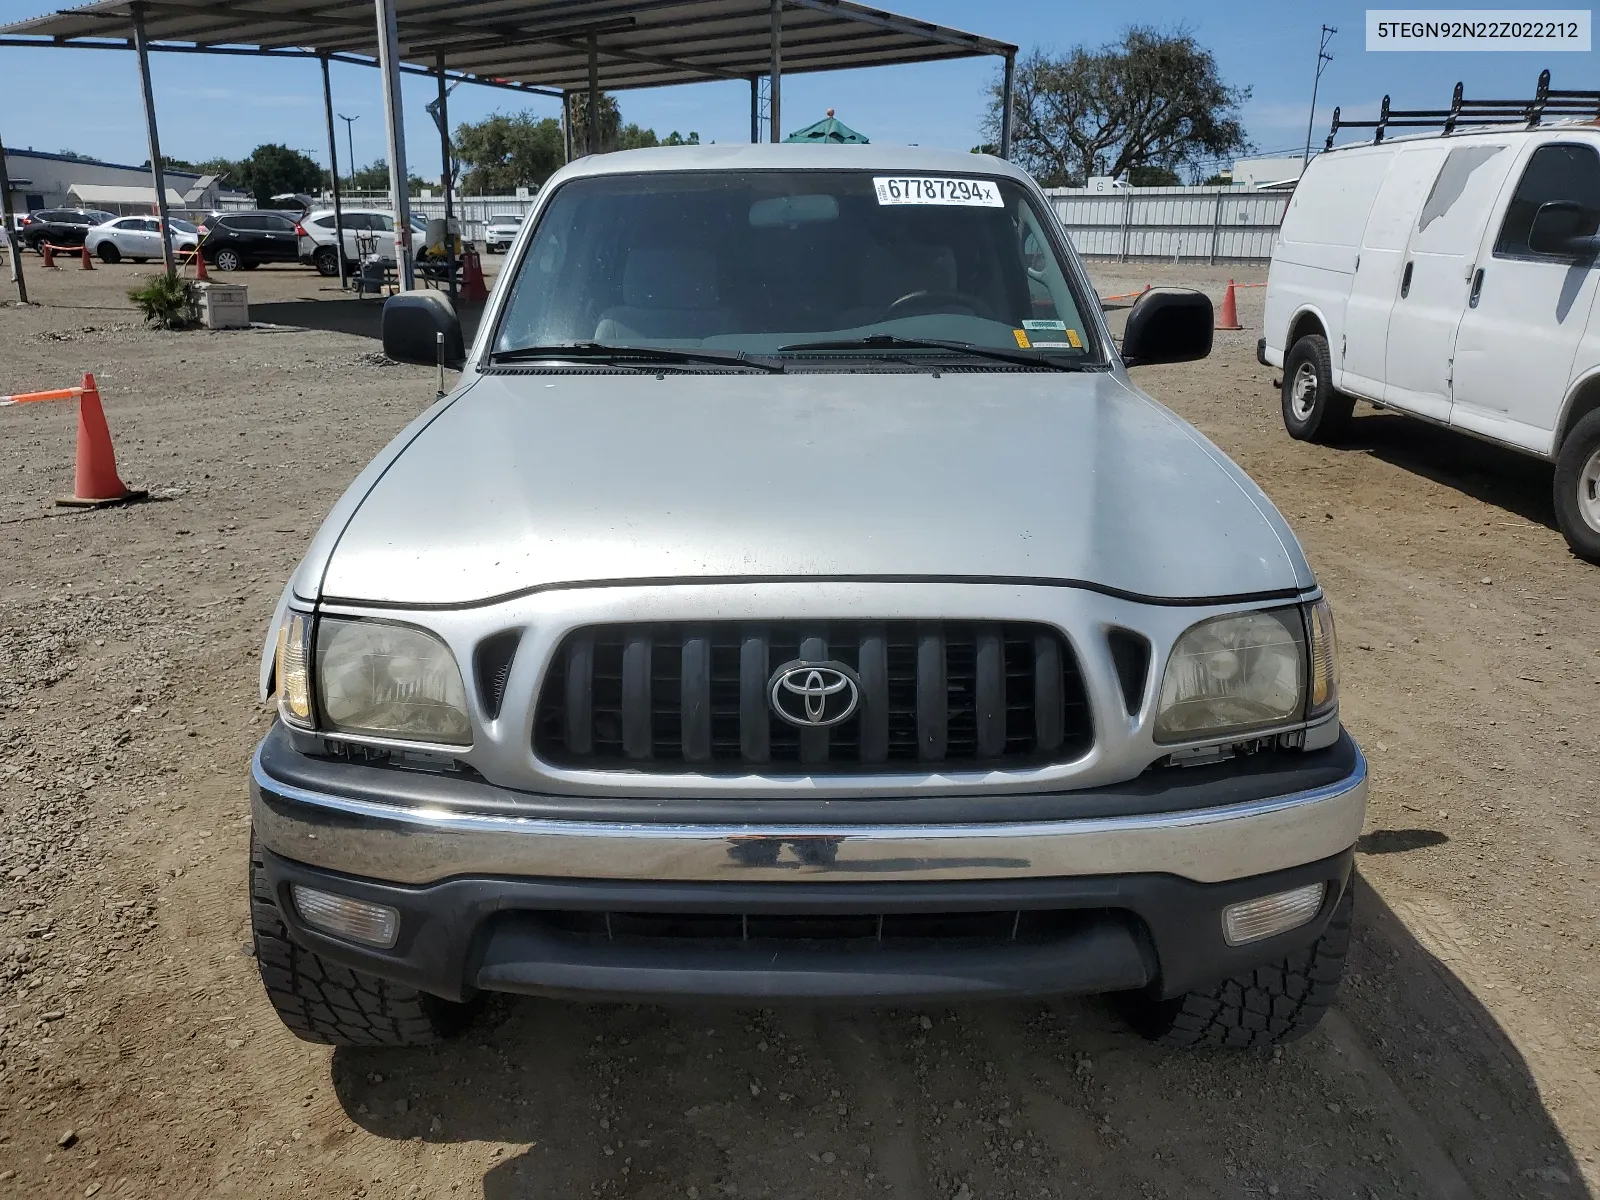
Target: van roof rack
<point>1527,113</point>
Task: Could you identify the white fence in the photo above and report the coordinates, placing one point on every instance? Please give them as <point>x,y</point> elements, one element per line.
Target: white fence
<point>1217,224</point>
<point>473,212</point>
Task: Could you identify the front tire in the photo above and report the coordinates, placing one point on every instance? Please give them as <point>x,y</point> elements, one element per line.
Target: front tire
<point>1577,488</point>
<point>1276,1003</point>
<point>109,253</point>
<point>323,1002</point>
<point>227,260</point>
<point>1312,410</point>
<point>326,260</point>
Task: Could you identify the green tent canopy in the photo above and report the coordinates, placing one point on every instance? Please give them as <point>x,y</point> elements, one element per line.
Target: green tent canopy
<point>829,129</point>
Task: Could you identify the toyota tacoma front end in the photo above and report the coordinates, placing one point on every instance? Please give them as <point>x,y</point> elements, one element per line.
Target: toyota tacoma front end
<point>795,599</point>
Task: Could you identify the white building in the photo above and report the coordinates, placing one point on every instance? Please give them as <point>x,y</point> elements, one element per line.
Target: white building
<point>41,180</point>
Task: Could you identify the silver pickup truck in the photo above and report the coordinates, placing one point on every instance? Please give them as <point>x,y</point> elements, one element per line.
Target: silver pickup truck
<point>794,599</point>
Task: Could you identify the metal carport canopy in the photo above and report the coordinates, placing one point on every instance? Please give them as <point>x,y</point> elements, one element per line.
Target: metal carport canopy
<point>552,47</point>
<point>539,43</point>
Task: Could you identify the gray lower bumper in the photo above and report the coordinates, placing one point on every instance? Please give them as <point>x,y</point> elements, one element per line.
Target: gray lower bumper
<point>411,845</point>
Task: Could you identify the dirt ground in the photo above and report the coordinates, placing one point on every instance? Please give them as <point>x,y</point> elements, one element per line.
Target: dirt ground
<point>138,1056</point>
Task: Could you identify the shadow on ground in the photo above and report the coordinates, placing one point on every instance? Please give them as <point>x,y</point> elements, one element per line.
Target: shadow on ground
<point>359,317</point>
<point>1514,482</point>
<point>1409,1087</point>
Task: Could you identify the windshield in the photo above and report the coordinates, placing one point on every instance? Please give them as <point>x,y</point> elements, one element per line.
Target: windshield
<point>183,226</point>
<point>762,261</point>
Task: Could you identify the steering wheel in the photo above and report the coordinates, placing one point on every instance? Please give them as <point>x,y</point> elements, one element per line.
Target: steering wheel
<point>931,301</point>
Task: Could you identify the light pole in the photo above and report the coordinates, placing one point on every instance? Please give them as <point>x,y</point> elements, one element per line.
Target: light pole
<point>350,143</point>
<point>1323,59</point>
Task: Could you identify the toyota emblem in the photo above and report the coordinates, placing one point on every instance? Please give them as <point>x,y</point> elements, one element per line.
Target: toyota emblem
<point>814,695</point>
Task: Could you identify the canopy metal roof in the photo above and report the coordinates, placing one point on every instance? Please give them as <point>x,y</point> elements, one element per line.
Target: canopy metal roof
<point>531,43</point>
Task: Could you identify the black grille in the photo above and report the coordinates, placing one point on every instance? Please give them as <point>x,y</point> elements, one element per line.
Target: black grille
<point>820,929</point>
<point>662,697</point>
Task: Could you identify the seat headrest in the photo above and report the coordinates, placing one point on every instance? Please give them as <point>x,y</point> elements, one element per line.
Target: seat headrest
<point>670,277</point>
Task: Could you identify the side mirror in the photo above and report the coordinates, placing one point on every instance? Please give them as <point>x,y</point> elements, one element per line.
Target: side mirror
<point>412,323</point>
<point>1168,325</point>
<point>1565,229</point>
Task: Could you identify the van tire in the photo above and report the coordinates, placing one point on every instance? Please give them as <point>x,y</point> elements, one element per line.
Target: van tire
<point>1273,1004</point>
<point>1312,410</point>
<point>322,1002</point>
<point>1577,488</point>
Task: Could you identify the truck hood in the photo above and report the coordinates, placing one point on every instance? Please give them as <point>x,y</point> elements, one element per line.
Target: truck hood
<point>538,479</point>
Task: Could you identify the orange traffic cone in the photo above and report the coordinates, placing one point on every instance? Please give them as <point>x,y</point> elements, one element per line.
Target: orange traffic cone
<point>88,263</point>
<point>49,256</point>
<point>473,288</point>
<point>200,267</point>
<point>96,481</point>
<point>1230,310</point>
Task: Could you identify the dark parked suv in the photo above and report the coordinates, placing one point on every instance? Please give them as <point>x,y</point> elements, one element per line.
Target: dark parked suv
<point>61,226</point>
<point>242,240</point>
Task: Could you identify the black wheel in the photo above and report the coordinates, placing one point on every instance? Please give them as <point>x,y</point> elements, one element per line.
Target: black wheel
<point>1312,410</point>
<point>1577,488</point>
<point>323,1002</point>
<point>326,261</point>
<point>227,260</point>
<point>109,253</point>
<point>1276,1003</point>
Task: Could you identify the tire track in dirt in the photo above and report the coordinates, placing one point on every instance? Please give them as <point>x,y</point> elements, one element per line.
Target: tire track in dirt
<point>853,1040</point>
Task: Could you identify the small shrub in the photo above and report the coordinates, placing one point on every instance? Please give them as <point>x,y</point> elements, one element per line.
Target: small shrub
<point>168,302</point>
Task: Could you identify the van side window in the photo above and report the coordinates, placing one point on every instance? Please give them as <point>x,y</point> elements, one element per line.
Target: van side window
<point>1562,172</point>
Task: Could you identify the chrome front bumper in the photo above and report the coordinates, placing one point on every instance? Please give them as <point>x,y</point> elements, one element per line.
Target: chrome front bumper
<point>407,844</point>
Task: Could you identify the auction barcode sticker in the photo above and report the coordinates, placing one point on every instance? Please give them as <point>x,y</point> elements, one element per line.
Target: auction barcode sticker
<point>927,189</point>
<point>1478,29</point>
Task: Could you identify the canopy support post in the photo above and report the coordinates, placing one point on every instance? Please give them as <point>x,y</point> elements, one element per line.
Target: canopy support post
<point>333,170</point>
<point>157,173</point>
<point>393,119</point>
<point>449,188</point>
<point>9,230</point>
<point>566,126</point>
<point>594,94</point>
<point>755,109</point>
<point>774,124</point>
<point>1007,103</point>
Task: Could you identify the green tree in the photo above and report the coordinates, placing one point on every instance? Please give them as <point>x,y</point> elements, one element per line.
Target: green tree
<point>272,169</point>
<point>1153,177</point>
<point>1153,99</point>
<point>504,152</point>
<point>1220,179</point>
<point>374,177</point>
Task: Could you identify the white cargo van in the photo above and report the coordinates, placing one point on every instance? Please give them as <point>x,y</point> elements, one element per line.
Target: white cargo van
<point>1452,278</point>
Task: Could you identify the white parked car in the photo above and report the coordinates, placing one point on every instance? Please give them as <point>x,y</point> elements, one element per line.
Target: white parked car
<point>138,238</point>
<point>318,236</point>
<point>1451,278</point>
<point>500,232</point>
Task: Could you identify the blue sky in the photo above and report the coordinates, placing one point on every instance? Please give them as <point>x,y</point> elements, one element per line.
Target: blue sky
<point>88,101</point>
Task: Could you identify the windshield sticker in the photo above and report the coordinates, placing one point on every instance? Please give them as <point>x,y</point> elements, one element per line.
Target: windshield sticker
<point>1022,338</point>
<point>922,189</point>
<point>1057,326</point>
<point>1058,330</point>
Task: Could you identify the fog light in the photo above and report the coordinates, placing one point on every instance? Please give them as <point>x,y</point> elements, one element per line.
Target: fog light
<point>374,924</point>
<point>1252,920</point>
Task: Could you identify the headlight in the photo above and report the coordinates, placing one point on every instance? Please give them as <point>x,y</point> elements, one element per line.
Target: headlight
<point>390,681</point>
<point>1233,674</point>
<point>293,669</point>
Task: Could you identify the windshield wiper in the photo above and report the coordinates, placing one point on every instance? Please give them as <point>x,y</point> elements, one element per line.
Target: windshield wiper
<point>598,351</point>
<point>891,341</point>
